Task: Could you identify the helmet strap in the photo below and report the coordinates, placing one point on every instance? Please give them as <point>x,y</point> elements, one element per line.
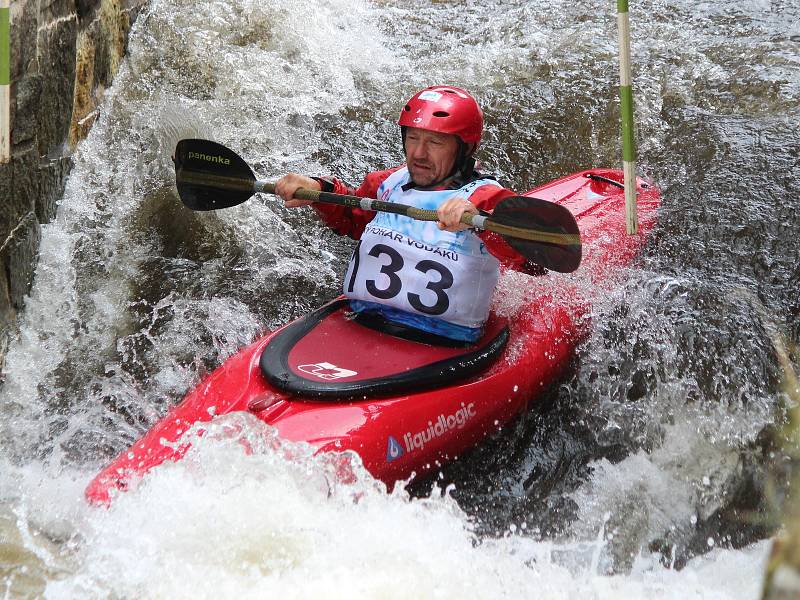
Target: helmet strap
<point>464,165</point>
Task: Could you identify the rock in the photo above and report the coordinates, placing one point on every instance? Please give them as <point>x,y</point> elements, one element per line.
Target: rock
<point>64,54</point>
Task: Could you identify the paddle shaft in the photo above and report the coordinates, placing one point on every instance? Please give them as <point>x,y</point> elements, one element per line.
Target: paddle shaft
<point>477,221</point>
<point>370,204</point>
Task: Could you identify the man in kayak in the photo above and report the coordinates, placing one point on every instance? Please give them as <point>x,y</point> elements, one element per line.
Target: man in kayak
<point>437,277</point>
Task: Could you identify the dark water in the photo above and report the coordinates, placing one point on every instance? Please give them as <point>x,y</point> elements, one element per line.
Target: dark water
<point>665,433</point>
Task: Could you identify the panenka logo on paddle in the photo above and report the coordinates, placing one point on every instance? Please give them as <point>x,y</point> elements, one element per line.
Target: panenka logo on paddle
<point>325,370</point>
<point>210,158</point>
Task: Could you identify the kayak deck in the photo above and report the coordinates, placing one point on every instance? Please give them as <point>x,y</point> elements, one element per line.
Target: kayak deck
<point>332,354</point>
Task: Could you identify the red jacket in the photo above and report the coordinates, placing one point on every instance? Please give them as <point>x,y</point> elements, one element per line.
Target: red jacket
<point>352,221</point>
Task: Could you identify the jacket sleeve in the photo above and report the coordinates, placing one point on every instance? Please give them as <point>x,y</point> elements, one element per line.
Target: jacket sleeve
<point>485,198</point>
<point>345,220</point>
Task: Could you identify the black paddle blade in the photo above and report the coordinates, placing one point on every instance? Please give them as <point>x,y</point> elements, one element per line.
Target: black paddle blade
<point>560,252</point>
<point>210,176</point>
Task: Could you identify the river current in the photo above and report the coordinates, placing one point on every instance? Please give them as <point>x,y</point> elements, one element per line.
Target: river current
<point>655,468</point>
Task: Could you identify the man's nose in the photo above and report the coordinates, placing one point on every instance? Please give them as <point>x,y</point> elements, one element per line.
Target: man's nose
<point>418,151</point>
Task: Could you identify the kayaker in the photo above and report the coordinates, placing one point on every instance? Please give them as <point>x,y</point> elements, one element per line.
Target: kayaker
<point>437,277</point>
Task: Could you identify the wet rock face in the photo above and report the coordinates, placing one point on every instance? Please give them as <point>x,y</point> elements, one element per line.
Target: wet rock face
<point>64,54</point>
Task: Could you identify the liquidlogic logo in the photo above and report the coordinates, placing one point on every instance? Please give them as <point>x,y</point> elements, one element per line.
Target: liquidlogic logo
<point>417,441</point>
<point>394,450</point>
<point>209,158</point>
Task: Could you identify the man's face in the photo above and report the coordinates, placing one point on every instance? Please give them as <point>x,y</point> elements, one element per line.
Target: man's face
<point>430,156</point>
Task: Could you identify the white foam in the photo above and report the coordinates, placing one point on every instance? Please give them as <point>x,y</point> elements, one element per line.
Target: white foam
<point>274,520</point>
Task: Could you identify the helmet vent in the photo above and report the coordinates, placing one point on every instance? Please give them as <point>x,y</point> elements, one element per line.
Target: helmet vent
<point>408,107</point>
<point>441,113</point>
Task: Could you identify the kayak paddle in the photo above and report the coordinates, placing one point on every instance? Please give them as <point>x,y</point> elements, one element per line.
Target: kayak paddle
<point>210,176</point>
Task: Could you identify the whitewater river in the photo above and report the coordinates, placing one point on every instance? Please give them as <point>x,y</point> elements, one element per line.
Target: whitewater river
<point>652,471</point>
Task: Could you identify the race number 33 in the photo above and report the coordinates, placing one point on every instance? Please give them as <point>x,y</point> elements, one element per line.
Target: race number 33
<point>391,270</point>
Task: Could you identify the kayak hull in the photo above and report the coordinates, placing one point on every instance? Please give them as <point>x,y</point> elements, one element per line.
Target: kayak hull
<point>411,434</point>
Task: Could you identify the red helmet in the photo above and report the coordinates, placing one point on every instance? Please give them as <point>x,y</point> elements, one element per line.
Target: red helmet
<point>444,109</point>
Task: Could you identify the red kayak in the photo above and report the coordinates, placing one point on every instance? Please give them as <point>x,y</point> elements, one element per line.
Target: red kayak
<point>406,401</point>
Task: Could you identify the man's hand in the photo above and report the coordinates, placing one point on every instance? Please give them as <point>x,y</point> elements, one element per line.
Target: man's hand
<point>450,214</point>
<point>287,185</point>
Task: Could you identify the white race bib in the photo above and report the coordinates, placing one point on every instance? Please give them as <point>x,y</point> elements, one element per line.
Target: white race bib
<point>414,266</point>
<point>392,269</point>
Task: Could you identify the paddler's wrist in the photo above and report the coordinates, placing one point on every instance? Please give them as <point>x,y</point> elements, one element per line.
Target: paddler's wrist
<point>325,185</point>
